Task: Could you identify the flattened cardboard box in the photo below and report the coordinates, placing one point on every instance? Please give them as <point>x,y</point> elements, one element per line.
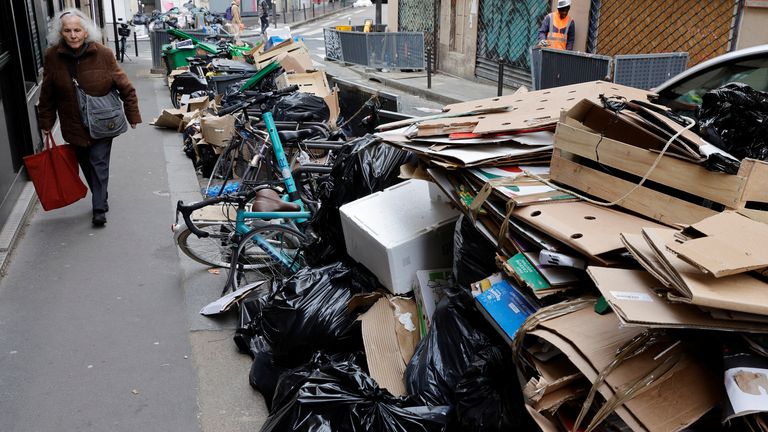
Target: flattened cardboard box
<point>740,292</point>
<point>632,296</point>
<point>723,245</point>
<point>589,229</point>
<point>590,341</point>
<point>390,336</point>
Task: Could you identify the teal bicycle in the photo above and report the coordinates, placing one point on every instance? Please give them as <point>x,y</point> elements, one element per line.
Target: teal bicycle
<point>264,241</point>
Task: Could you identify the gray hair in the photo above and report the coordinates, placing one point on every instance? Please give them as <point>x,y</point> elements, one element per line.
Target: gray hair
<point>54,33</point>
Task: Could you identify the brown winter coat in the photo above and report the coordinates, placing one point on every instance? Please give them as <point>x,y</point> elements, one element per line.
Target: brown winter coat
<point>97,72</point>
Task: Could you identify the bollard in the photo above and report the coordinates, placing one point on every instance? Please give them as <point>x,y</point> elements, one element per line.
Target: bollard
<point>429,69</point>
<point>501,77</point>
<point>304,9</point>
<point>313,9</point>
<point>293,15</point>
<point>135,44</point>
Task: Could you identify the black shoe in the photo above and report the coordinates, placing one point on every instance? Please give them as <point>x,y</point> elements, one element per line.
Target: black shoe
<point>99,218</point>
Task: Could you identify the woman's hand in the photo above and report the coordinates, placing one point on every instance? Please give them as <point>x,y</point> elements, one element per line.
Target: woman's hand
<point>133,125</point>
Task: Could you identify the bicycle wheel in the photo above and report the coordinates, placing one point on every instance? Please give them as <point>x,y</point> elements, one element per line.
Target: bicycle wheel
<point>254,264</point>
<point>214,250</point>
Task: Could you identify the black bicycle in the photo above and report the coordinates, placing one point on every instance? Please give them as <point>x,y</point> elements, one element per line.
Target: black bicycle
<point>124,31</point>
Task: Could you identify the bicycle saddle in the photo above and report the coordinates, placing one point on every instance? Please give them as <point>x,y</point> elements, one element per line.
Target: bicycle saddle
<point>295,135</point>
<point>267,200</point>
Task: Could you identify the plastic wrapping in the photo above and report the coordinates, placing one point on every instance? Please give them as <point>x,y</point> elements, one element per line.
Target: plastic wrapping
<point>457,332</point>
<point>308,312</point>
<point>488,396</point>
<point>473,255</point>
<point>362,167</point>
<point>338,396</point>
<point>301,107</point>
<point>735,119</point>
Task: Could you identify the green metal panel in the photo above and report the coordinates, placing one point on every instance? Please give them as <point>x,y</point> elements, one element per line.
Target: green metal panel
<point>507,29</point>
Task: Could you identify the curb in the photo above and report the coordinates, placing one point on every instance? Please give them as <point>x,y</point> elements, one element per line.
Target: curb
<point>425,93</point>
<point>13,229</point>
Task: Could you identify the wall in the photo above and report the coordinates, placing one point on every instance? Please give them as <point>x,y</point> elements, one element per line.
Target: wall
<point>580,15</point>
<point>753,30</point>
<point>458,42</point>
<point>391,19</point>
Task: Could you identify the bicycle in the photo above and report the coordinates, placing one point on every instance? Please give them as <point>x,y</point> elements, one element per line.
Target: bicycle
<point>124,31</point>
<point>263,242</point>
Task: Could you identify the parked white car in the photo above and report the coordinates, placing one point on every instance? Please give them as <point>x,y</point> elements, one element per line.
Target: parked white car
<point>684,91</point>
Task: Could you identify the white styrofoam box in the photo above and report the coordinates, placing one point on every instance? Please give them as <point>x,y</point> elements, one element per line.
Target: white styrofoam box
<point>436,194</point>
<point>398,231</point>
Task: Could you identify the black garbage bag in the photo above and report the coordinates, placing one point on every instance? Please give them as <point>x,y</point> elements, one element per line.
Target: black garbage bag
<point>338,396</point>
<point>362,167</point>
<point>457,332</point>
<point>301,107</point>
<point>734,118</point>
<point>264,373</point>
<point>474,256</point>
<point>488,396</point>
<point>308,313</point>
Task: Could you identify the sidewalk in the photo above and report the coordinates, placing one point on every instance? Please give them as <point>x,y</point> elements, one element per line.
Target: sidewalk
<point>100,327</point>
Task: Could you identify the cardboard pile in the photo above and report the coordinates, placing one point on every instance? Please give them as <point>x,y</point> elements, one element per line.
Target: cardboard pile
<point>620,316</point>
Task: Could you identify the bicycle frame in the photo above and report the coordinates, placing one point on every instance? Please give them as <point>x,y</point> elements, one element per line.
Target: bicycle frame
<point>293,194</point>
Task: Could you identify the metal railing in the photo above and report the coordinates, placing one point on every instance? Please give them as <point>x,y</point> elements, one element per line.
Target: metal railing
<point>647,71</point>
<point>381,50</point>
<point>554,68</point>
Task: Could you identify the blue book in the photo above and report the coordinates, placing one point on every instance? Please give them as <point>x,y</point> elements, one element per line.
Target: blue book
<point>506,308</point>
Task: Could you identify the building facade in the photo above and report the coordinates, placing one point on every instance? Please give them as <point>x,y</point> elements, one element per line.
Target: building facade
<point>22,43</point>
<point>471,37</point>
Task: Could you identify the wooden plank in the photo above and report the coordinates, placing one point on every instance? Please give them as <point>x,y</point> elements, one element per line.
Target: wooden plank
<point>685,176</point>
<point>655,205</point>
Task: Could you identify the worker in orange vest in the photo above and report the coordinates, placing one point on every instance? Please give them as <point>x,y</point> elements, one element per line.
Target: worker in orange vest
<point>557,30</point>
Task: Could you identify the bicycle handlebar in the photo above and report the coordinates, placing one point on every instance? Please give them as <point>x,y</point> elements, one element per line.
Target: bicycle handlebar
<point>186,210</point>
<point>255,97</point>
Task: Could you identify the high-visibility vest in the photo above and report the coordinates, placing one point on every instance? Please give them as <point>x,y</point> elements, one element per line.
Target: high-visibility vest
<point>558,31</point>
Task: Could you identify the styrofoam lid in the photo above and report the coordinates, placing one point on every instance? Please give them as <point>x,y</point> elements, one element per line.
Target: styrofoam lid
<point>400,212</point>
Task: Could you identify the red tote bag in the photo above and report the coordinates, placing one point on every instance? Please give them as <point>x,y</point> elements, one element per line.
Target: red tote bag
<point>55,174</point>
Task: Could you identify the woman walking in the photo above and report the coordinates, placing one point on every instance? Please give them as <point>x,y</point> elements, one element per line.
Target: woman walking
<point>75,53</point>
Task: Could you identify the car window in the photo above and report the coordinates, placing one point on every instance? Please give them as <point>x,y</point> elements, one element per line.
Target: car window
<point>688,93</point>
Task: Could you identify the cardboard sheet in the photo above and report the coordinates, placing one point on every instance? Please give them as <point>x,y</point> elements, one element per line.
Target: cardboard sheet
<point>590,229</point>
<point>725,244</point>
<point>296,61</point>
<point>169,118</point>
<point>478,154</point>
<point>740,292</point>
<point>633,295</point>
<point>309,82</point>
<point>390,335</point>
<point>591,342</point>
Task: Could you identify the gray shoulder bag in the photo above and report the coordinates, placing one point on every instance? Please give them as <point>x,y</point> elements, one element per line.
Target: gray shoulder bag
<point>103,116</point>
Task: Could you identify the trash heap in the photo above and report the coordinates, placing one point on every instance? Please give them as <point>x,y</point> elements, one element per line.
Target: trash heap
<point>617,254</point>
<point>200,92</point>
<point>575,258</point>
